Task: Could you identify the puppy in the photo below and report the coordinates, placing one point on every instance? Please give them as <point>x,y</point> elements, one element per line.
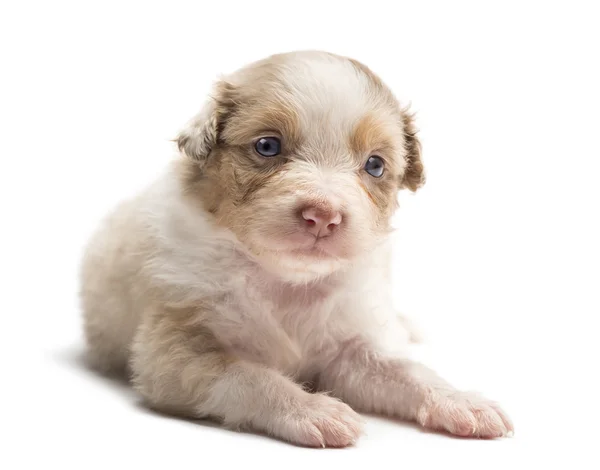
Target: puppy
<point>259,263</point>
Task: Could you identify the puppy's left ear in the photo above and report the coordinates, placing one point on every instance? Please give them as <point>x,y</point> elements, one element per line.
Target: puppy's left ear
<point>201,135</point>
<point>414,174</point>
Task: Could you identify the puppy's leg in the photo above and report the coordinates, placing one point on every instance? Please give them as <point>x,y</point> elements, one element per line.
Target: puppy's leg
<point>182,370</point>
<point>370,382</point>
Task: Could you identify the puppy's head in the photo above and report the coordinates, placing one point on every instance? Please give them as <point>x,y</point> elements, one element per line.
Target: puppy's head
<point>301,155</point>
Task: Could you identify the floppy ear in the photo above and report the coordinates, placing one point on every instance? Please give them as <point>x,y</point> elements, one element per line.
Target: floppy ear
<point>201,134</point>
<point>414,175</point>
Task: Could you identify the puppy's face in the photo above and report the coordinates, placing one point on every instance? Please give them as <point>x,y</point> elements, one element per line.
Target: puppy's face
<point>301,156</point>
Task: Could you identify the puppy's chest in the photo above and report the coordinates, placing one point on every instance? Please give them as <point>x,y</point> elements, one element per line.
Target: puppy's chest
<point>279,325</point>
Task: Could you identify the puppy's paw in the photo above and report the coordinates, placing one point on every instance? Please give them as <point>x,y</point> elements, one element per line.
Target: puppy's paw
<point>464,414</point>
<point>321,421</point>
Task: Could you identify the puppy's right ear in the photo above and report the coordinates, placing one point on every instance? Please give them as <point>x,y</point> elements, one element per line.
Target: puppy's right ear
<point>414,176</point>
<point>201,134</point>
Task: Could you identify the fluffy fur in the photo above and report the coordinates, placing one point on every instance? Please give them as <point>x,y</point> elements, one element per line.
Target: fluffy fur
<point>211,293</point>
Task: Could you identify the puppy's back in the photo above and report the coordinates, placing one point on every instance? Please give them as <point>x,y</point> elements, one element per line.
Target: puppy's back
<point>110,277</point>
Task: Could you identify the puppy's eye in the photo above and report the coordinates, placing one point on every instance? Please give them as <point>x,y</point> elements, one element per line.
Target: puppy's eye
<point>375,166</point>
<point>268,146</point>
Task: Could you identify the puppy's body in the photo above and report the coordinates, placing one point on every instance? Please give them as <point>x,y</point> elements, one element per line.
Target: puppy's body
<point>236,277</point>
<point>154,251</point>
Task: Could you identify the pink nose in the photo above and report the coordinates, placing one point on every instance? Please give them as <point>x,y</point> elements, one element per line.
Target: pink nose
<point>321,222</point>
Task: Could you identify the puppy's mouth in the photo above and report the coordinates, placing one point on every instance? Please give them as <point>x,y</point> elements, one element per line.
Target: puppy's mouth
<point>312,247</point>
<point>317,247</point>
<point>300,259</point>
<point>299,256</point>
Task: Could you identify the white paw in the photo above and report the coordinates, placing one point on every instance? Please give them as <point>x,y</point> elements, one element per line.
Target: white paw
<point>321,421</point>
<point>464,414</point>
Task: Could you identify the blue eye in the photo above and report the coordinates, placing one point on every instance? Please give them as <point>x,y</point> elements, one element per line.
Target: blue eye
<point>375,166</point>
<point>268,146</point>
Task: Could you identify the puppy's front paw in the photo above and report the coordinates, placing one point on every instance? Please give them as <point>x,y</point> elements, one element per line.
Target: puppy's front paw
<point>464,414</point>
<point>321,421</point>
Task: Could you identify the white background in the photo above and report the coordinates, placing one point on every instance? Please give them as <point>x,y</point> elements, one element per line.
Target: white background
<point>497,257</point>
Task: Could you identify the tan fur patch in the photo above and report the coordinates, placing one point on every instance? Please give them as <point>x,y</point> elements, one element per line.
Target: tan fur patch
<point>414,176</point>
<point>370,136</point>
<point>268,117</point>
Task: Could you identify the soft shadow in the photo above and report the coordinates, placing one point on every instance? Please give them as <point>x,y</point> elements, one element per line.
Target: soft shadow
<point>397,422</point>
<point>418,428</point>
